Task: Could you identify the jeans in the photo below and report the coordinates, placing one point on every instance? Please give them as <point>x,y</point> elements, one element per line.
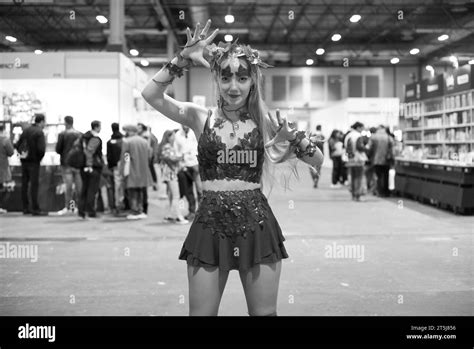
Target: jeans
<point>30,172</point>
<point>337,170</point>
<point>90,188</point>
<point>382,179</point>
<point>370,178</point>
<point>118,188</point>
<point>135,195</point>
<point>357,172</point>
<point>71,176</point>
<point>186,178</point>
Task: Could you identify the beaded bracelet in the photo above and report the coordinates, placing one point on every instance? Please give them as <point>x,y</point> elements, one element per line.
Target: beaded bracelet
<point>174,70</point>
<point>309,151</point>
<point>300,135</point>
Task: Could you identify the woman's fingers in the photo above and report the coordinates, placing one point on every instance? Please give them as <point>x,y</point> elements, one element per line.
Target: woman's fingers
<point>204,62</point>
<point>280,121</point>
<point>212,36</point>
<point>272,119</point>
<point>206,28</point>
<point>196,31</point>
<point>188,34</point>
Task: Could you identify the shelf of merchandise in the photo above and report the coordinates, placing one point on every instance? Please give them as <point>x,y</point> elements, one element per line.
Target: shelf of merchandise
<point>439,125</point>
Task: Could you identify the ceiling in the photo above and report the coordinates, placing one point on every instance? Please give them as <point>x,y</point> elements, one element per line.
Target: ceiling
<point>286,32</point>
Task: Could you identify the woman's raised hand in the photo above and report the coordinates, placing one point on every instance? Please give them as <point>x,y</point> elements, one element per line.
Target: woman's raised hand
<point>285,132</point>
<point>194,49</point>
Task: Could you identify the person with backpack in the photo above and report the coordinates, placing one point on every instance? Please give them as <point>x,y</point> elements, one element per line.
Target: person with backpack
<point>114,150</point>
<point>91,172</point>
<point>31,148</point>
<point>357,157</point>
<point>71,176</point>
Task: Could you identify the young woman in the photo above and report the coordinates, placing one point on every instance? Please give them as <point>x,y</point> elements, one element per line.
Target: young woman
<point>234,227</point>
<point>169,163</point>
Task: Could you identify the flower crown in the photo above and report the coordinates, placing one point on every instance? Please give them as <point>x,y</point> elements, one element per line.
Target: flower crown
<point>220,52</point>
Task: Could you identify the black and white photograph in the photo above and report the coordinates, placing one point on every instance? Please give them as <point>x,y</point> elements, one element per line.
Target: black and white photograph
<point>282,160</point>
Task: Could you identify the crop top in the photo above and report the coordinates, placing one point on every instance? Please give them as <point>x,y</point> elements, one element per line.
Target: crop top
<point>239,157</point>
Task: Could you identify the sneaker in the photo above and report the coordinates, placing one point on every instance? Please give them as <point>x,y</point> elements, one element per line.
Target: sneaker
<point>2,210</point>
<point>63,212</point>
<point>133,216</point>
<point>190,216</point>
<point>168,220</point>
<point>181,221</point>
<point>143,215</point>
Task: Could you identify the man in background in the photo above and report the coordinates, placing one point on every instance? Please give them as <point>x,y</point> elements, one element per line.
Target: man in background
<point>6,150</point>
<point>381,146</point>
<point>71,176</point>
<point>114,150</point>
<point>31,147</point>
<point>92,170</point>
<point>319,139</point>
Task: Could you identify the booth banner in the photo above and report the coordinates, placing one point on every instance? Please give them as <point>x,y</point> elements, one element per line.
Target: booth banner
<point>25,65</point>
<point>412,92</point>
<point>461,79</point>
<point>433,87</point>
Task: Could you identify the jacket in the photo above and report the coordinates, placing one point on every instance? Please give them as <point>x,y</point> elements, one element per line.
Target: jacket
<point>114,149</point>
<point>93,150</point>
<point>6,150</point>
<point>139,155</point>
<point>35,143</point>
<point>381,148</point>
<point>66,140</point>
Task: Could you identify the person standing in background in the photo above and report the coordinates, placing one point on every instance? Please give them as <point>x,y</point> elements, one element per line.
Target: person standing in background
<point>71,176</point>
<point>370,170</point>
<point>114,150</point>
<point>356,153</point>
<point>6,150</point>
<point>92,170</point>
<point>381,146</point>
<point>186,146</point>
<point>32,146</point>
<point>336,150</point>
<point>169,164</point>
<point>319,139</point>
<point>135,159</point>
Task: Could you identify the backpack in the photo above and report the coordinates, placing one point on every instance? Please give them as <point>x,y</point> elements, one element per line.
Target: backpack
<point>76,157</point>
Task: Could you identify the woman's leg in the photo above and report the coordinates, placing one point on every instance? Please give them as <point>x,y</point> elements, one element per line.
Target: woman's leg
<point>174,189</point>
<point>206,286</point>
<point>261,288</point>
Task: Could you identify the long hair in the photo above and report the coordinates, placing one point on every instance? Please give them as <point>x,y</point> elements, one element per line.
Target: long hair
<point>164,141</point>
<point>268,126</point>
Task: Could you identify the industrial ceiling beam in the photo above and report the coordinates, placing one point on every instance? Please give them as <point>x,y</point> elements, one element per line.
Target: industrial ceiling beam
<point>163,18</point>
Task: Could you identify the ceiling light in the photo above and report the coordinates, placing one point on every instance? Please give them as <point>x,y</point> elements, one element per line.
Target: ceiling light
<point>134,52</point>
<point>229,18</point>
<point>336,37</point>
<point>355,18</point>
<point>414,51</point>
<point>429,68</point>
<point>144,63</point>
<point>471,61</point>
<point>394,60</point>
<point>320,51</point>
<point>228,38</point>
<point>10,38</point>
<point>38,52</point>
<point>101,19</point>
<point>309,61</point>
<point>443,37</point>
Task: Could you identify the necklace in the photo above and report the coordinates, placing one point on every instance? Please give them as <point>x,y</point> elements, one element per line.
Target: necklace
<point>235,124</point>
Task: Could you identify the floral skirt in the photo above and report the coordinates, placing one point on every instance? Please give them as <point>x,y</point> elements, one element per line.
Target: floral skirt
<point>233,230</point>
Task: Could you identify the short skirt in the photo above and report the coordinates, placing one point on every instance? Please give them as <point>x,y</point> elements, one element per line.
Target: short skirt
<point>233,230</point>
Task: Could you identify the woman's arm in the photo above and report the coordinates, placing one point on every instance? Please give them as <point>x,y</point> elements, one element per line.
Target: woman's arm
<point>185,113</point>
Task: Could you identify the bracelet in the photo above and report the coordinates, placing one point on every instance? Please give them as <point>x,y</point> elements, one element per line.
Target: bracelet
<point>164,84</point>
<point>309,151</point>
<point>300,135</point>
<point>174,70</point>
<point>192,44</point>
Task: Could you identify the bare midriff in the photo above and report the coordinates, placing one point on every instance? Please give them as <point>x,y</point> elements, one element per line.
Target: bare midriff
<point>228,185</point>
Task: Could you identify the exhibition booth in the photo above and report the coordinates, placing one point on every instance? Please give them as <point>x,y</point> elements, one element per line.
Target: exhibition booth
<point>437,163</point>
<point>89,86</point>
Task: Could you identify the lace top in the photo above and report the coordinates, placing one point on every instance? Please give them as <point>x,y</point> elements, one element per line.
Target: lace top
<point>231,151</point>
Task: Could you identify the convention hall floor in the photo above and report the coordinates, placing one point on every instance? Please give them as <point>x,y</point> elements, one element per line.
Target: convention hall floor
<point>412,260</point>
